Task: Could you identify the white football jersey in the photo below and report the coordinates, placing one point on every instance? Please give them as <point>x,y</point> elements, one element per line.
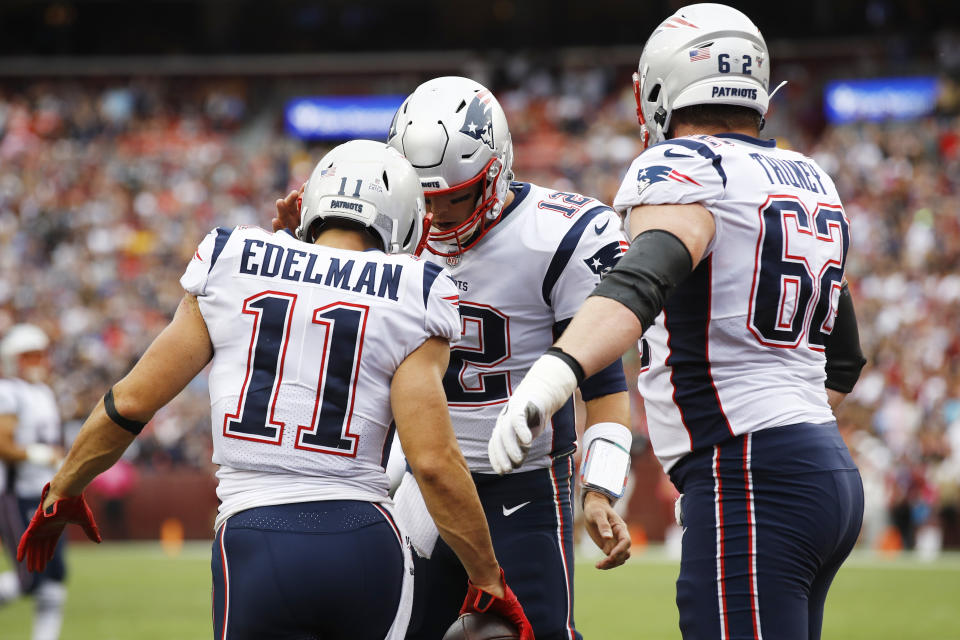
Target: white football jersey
<point>739,346</point>
<point>38,421</point>
<point>532,270</point>
<point>306,341</point>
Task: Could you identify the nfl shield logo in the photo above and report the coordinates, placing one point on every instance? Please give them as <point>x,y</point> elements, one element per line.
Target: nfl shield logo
<point>453,261</point>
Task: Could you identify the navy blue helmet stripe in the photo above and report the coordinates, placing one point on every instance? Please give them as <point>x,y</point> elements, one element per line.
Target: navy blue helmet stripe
<point>222,236</point>
<point>687,320</point>
<point>430,273</point>
<point>566,248</point>
<point>704,151</point>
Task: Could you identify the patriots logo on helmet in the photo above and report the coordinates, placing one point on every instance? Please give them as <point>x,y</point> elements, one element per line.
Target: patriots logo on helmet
<point>659,173</point>
<point>606,257</point>
<point>478,123</point>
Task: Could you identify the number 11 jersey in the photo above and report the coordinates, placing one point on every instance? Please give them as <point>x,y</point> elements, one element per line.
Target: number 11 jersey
<point>306,341</point>
<point>739,346</point>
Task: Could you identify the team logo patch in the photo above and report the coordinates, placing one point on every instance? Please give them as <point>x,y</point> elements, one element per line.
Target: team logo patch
<point>659,173</point>
<point>478,123</point>
<point>606,257</point>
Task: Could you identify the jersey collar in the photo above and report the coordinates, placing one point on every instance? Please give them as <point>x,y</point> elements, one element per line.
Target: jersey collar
<point>769,143</point>
<point>520,191</point>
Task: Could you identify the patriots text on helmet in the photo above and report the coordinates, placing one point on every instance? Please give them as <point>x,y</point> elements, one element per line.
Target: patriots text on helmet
<point>344,204</point>
<point>733,92</point>
<point>270,260</point>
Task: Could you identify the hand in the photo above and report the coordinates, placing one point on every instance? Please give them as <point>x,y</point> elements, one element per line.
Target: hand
<point>288,211</point>
<point>607,529</point>
<point>40,539</point>
<point>513,433</point>
<point>481,601</point>
<point>548,384</point>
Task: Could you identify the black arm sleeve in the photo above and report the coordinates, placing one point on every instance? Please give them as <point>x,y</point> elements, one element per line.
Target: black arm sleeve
<point>656,262</point>
<point>844,357</point>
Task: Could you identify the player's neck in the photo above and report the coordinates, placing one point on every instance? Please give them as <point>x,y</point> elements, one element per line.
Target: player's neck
<point>682,130</point>
<point>345,239</point>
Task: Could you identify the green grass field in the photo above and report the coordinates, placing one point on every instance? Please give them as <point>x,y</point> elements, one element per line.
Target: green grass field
<point>127,591</point>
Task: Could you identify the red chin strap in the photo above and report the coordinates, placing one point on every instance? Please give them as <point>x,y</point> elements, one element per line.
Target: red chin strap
<point>640,118</point>
<point>424,233</point>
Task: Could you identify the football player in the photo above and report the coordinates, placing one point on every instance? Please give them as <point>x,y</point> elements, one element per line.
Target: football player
<point>524,258</point>
<point>319,347</point>
<point>735,280</point>
<point>30,448</point>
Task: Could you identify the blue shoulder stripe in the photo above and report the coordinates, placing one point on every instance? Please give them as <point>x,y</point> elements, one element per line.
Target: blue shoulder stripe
<point>566,248</point>
<point>223,235</point>
<point>704,151</point>
<point>430,273</point>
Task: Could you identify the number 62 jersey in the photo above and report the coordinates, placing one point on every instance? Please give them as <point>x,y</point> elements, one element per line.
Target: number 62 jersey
<point>306,341</point>
<point>739,346</point>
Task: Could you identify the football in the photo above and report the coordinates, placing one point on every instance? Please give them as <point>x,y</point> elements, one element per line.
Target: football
<point>481,626</point>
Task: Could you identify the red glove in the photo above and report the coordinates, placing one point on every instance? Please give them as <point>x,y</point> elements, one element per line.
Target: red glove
<point>480,601</point>
<point>40,539</point>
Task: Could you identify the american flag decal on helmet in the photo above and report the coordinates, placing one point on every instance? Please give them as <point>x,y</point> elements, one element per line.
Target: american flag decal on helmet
<point>700,53</point>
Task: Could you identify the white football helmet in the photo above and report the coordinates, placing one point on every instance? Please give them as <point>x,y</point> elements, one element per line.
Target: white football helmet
<point>370,183</point>
<point>703,54</point>
<point>21,338</point>
<point>454,133</point>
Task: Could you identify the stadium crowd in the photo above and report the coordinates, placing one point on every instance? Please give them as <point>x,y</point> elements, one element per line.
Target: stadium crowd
<point>106,189</point>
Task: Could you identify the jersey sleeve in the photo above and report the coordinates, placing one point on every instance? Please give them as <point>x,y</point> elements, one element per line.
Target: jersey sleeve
<point>442,303</point>
<point>194,279</point>
<point>679,171</point>
<point>588,251</point>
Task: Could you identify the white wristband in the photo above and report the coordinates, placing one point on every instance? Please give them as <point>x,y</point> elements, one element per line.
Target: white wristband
<point>548,384</point>
<point>606,459</point>
<point>40,454</point>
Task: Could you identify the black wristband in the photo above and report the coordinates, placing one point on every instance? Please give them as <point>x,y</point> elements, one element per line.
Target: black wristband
<point>570,362</point>
<point>126,424</point>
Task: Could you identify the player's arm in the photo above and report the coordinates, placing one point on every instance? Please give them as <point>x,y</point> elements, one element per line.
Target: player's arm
<point>13,453</point>
<point>668,241</point>
<point>174,358</point>
<point>844,356</point>
<point>10,451</point>
<point>423,424</point>
<point>607,416</point>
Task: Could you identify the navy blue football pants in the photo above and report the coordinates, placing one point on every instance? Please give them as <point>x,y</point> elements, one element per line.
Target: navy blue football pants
<point>328,570</point>
<point>768,518</point>
<point>15,515</point>
<point>530,520</point>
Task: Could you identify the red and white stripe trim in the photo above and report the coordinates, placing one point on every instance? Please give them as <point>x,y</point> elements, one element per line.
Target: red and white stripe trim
<point>563,551</point>
<point>226,582</point>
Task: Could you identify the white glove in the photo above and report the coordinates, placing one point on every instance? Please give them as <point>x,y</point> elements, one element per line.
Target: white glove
<point>548,384</point>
